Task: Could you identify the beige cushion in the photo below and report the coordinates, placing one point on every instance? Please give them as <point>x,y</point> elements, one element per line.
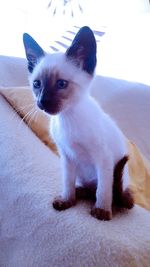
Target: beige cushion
<point>34,234</point>
<point>13,71</point>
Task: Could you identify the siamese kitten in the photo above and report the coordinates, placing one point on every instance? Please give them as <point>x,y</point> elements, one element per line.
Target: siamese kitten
<point>92,148</point>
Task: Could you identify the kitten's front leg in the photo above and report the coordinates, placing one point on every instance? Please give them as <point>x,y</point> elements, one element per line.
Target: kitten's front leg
<point>103,206</point>
<point>67,199</point>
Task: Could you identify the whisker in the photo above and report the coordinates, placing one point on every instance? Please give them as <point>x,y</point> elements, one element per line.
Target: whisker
<point>25,107</point>
<point>32,118</point>
<point>27,115</point>
<point>18,111</point>
<point>36,115</point>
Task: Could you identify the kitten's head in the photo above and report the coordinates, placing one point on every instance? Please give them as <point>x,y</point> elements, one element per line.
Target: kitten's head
<point>61,80</point>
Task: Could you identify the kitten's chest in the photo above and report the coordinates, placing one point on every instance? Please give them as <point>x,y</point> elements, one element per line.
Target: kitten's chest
<point>71,138</point>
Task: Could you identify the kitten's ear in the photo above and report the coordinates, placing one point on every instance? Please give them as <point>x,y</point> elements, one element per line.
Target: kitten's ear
<point>33,51</point>
<point>83,50</point>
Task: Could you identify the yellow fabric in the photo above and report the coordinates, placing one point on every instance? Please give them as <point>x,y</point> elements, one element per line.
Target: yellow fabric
<point>139,170</point>
<point>21,99</point>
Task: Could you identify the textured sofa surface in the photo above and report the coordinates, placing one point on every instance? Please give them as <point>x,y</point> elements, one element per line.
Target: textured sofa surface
<point>33,233</point>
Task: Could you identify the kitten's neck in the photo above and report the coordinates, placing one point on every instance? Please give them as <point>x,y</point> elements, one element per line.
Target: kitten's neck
<point>86,106</point>
<point>76,107</point>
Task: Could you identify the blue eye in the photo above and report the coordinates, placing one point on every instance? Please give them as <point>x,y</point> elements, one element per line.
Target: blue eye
<point>61,84</point>
<point>37,84</point>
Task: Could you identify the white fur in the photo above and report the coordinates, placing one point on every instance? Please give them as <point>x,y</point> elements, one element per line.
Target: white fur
<point>89,142</point>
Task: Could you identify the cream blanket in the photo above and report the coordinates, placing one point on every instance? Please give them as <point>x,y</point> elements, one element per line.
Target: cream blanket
<point>33,234</point>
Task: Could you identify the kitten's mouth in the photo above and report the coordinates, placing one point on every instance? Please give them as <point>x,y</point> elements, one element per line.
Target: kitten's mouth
<point>50,109</point>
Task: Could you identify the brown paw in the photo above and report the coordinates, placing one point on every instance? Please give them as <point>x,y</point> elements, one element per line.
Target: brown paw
<point>61,204</point>
<point>127,199</point>
<point>101,214</point>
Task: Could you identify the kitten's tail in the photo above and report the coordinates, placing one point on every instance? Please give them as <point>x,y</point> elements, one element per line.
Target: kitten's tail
<point>121,198</point>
